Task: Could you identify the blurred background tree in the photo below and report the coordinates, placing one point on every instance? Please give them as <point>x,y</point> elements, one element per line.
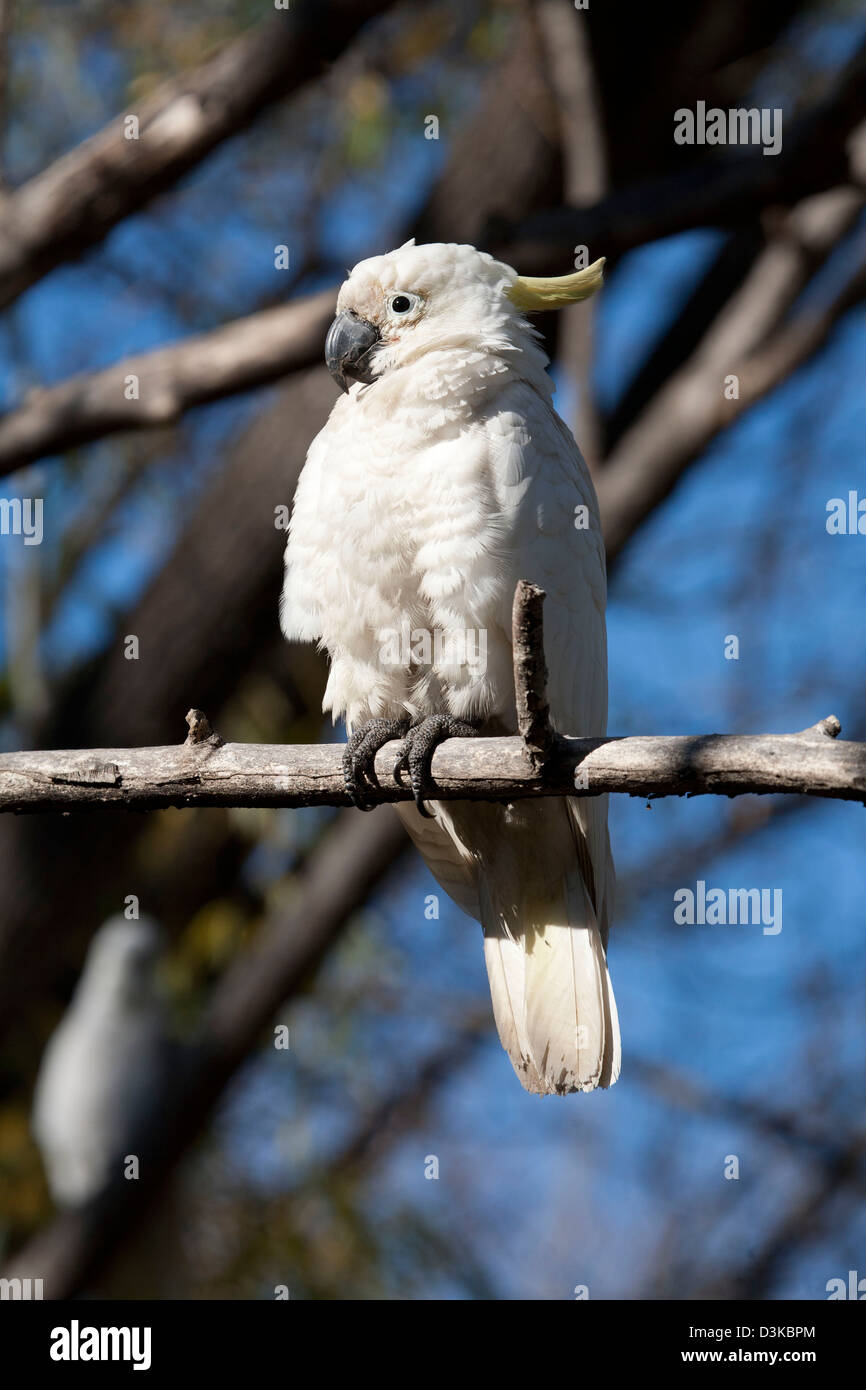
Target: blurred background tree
<point>309,130</point>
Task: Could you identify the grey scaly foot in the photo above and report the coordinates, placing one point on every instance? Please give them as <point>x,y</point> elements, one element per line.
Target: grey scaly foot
<point>416,753</point>
<point>359,757</point>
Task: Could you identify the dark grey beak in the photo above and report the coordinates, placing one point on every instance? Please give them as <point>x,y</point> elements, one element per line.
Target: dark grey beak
<point>348,346</point>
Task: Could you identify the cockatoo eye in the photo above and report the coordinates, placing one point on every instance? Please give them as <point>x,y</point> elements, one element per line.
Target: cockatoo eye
<point>402,304</point>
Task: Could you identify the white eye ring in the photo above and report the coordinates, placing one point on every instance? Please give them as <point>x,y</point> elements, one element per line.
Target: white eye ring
<point>401,304</point>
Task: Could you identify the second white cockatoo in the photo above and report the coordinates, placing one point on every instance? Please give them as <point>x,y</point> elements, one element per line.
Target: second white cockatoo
<point>442,477</point>
<point>105,1064</point>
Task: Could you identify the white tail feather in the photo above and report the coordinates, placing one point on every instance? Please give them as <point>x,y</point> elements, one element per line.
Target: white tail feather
<point>552,996</point>
<point>506,970</point>
<point>565,1034</point>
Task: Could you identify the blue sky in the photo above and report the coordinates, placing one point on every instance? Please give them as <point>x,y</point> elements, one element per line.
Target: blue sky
<point>587,1190</point>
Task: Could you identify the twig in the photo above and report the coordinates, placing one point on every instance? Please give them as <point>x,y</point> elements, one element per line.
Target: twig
<point>530,673</point>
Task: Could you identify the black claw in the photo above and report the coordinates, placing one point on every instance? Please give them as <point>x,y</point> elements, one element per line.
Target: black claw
<point>359,756</point>
<point>402,763</point>
<point>416,752</point>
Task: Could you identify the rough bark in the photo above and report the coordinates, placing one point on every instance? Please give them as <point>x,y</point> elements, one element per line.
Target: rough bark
<point>213,773</point>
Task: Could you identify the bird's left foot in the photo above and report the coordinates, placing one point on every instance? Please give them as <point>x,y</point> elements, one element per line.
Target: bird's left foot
<point>359,756</point>
<point>416,754</point>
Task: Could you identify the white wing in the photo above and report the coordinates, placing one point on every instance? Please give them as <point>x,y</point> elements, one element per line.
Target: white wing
<point>543,869</point>
<point>548,495</point>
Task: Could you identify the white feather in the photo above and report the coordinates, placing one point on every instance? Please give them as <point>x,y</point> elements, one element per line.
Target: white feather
<point>425,498</point>
<point>104,1064</point>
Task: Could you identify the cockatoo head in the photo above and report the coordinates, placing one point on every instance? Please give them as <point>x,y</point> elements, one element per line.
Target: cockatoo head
<point>121,961</point>
<point>418,299</point>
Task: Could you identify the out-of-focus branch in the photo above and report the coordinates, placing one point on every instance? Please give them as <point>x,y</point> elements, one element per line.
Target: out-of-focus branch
<point>75,202</point>
<point>404,1107</point>
<point>263,347</point>
<point>722,277</point>
<point>351,860</point>
<point>154,389</point>
<point>684,1092</point>
<point>722,192</point>
<point>584,179</point>
<point>803,1221</point>
<point>220,582</point>
<point>752,340</point>
<point>7,14</point>
<point>838,1162</point>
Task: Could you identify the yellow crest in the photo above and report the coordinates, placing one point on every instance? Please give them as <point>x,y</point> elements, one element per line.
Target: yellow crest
<point>533,293</point>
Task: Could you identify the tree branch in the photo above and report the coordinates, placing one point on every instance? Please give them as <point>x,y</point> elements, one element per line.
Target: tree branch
<point>75,202</point>
<point>718,192</point>
<point>353,856</point>
<point>810,763</point>
<point>7,17</point>
<point>569,66</point>
<point>247,353</point>
<point>752,339</point>
<point>263,347</point>
<point>206,771</point>
<point>530,673</point>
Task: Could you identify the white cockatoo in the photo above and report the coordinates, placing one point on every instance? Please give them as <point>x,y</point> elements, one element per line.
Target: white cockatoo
<point>104,1064</point>
<point>442,477</point>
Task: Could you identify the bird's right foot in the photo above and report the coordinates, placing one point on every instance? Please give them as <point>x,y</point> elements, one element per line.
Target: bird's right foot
<point>359,758</point>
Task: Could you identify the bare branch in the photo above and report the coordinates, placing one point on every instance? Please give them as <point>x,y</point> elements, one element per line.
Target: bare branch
<point>530,673</point>
<point>482,769</point>
<point>75,202</point>
<point>250,352</point>
<point>206,771</point>
<point>7,18</point>
<point>721,192</point>
<point>263,347</point>
<point>753,340</point>
<point>565,35</point>
<point>354,855</point>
